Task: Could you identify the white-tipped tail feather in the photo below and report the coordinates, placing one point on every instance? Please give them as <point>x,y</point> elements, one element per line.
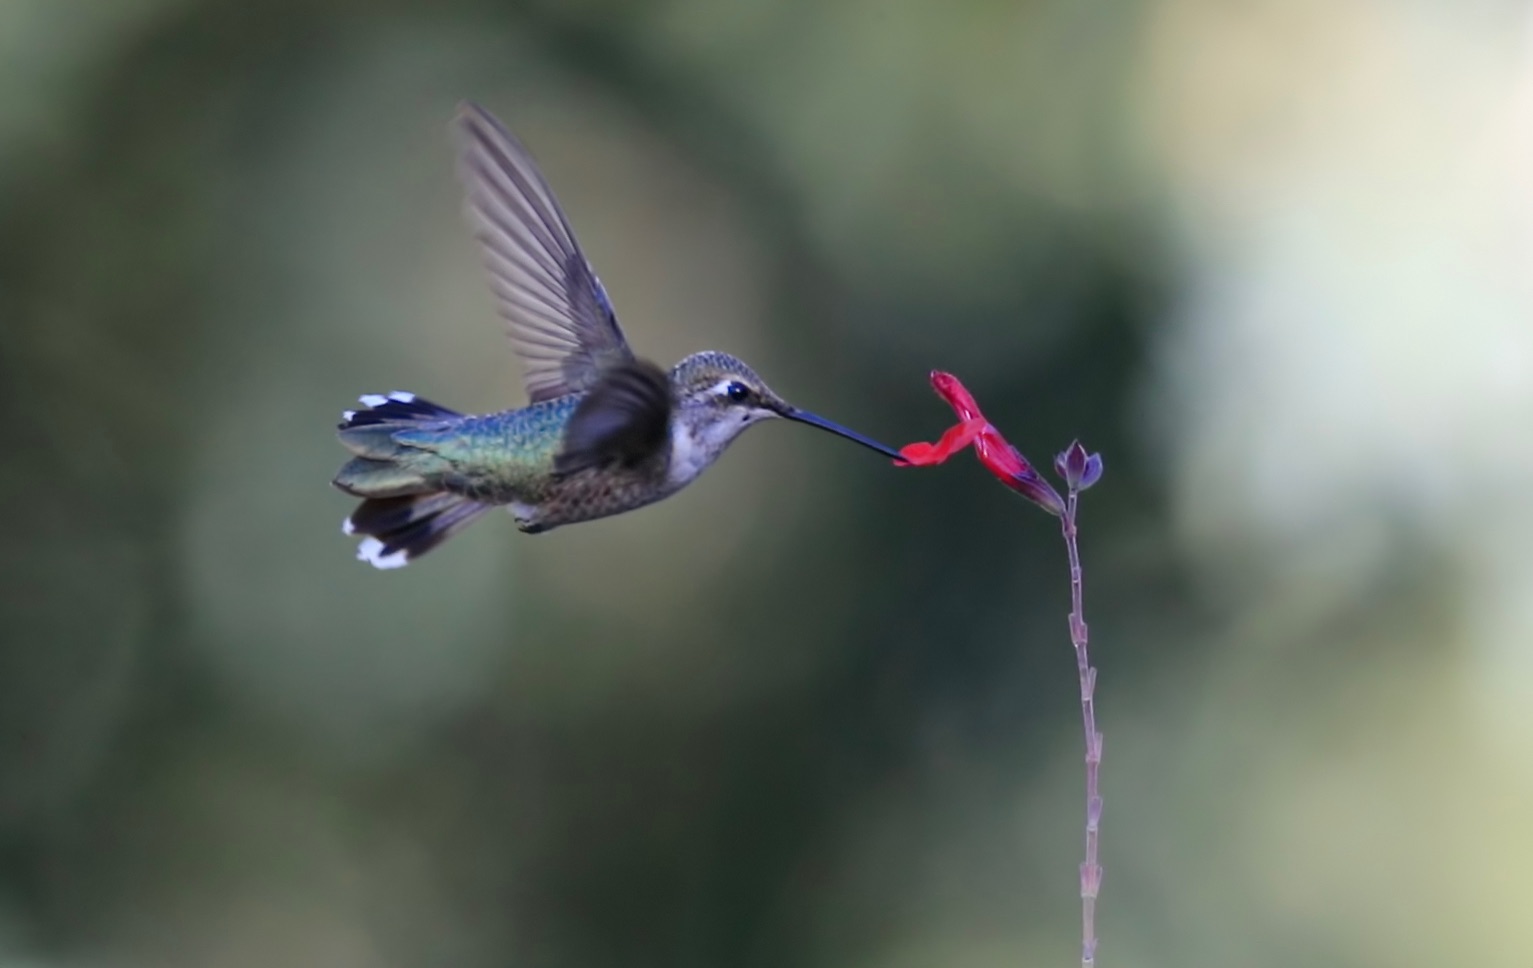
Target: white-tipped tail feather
<point>379,399</point>
<point>397,530</point>
<point>371,551</point>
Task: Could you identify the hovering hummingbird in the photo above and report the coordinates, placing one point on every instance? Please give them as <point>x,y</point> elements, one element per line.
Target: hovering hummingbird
<point>605,432</point>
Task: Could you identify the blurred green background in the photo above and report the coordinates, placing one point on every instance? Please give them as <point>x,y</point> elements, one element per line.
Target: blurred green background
<point>1271,258</point>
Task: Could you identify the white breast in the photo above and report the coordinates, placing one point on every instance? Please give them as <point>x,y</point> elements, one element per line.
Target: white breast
<point>692,450</point>
<point>689,456</point>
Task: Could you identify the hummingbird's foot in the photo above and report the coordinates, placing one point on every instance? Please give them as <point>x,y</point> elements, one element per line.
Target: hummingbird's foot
<point>526,517</point>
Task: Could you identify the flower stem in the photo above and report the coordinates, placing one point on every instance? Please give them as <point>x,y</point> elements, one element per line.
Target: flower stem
<point>1091,871</point>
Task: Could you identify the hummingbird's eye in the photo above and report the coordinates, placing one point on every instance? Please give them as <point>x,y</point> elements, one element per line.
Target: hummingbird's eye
<point>737,392</point>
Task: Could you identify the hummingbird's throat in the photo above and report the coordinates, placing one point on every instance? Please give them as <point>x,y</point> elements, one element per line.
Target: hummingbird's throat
<point>695,445</point>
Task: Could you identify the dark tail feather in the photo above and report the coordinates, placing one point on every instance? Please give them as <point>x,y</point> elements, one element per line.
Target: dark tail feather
<point>405,513</point>
<point>369,433</point>
<point>396,407</point>
<point>397,530</point>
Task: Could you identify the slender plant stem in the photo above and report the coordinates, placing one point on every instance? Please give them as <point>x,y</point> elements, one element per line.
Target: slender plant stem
<point>1091,871</point>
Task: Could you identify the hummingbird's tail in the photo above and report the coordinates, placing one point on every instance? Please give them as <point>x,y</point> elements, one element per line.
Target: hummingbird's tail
<point>405,512</point>
<point>399,530</point>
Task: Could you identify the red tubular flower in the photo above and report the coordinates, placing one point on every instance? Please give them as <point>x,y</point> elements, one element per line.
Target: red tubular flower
<point>1002,459</point>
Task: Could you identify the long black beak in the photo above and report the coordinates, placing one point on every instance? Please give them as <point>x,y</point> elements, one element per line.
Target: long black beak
<point>814,420</point>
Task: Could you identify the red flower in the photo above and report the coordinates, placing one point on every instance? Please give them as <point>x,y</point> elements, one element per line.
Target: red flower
<point>1002,459</point>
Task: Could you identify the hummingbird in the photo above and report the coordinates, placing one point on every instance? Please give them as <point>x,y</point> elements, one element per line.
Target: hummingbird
<point>605,431</point>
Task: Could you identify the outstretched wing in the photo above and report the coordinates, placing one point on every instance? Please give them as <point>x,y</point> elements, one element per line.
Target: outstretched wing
<point>558,316</point>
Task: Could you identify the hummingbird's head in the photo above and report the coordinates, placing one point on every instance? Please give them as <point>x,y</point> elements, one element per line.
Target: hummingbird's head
<point>718,396</point>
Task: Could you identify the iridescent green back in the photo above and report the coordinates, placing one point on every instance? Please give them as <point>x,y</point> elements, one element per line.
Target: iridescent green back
<point>501,456</point>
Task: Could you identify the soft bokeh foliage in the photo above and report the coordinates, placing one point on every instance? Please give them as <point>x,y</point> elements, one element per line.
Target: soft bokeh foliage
<point>1271,258</point>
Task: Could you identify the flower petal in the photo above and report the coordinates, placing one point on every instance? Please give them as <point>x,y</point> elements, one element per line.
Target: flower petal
<point>919,454</point>
<point>1004,460</point>
<point>955,439</point>
<point>956,394</point>
<point>1093,471</point>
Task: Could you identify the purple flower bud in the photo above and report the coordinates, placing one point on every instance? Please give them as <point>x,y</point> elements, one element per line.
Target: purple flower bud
<point>1070,463</point>
<point>1079,469</point>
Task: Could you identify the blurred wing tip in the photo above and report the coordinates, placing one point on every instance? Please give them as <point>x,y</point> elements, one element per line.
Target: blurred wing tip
<point>480,126</point>
<point>471,113</point>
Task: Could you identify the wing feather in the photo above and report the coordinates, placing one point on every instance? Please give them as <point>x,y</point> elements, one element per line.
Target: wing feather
<point>625,418</point>
<point>558,316</point>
